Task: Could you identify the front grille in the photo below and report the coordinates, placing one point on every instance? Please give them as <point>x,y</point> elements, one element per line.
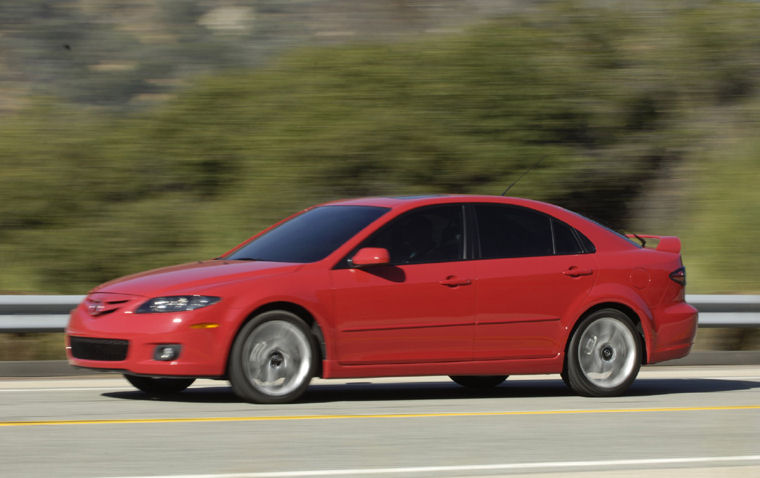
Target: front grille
<point>98,349</point>
<point>102,304</point>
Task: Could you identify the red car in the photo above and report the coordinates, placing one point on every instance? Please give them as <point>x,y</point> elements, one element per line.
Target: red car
<point>474,287</point>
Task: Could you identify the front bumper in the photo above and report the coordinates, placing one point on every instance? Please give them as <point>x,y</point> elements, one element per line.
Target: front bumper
<point>125,341</point>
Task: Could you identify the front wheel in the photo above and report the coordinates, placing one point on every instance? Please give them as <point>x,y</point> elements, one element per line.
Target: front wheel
<point>273,358</point>
<point>478,381</point>
<point>604,355</point>
<point>159,386</point>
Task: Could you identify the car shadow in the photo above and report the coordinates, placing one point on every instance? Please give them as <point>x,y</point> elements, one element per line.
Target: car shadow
<point>655,386</point>
<point>191,395</point>
<point>367,391</point>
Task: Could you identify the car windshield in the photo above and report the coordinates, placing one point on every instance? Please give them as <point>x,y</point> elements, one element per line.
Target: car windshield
<point>310,236</point>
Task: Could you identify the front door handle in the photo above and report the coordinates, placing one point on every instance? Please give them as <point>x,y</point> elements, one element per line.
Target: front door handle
<point>454,281</point>
<point>575,271</point>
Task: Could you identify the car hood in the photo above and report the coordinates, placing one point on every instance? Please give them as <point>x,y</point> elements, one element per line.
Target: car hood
<point>188,278</point>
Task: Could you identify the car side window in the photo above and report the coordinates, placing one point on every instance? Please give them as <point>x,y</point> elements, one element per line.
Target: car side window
<point>428,234</point>
<point>565,241</point>
<point>588,246</point>
<point>513,231</point>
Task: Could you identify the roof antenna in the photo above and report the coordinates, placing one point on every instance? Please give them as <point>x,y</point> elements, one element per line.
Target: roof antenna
<point>523,174</point>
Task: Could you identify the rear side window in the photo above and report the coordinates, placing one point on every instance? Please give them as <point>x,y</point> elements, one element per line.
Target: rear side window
<point>588,246</point>
<point>514,231</point>
<point>511,231</point>
<point>565,241</point>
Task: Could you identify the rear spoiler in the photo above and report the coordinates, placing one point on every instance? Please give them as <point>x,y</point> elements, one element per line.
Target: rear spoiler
<point>664,243</point>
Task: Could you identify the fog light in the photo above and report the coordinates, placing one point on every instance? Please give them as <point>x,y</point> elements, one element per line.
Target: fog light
<point>167,352</point>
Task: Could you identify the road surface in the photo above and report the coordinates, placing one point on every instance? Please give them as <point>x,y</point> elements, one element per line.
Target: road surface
<point>676,421</point>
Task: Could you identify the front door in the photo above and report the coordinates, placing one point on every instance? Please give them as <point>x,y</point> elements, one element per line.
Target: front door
<point>419,308</point>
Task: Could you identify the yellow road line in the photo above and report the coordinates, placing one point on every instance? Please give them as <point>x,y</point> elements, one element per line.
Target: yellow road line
<point>129,421</point>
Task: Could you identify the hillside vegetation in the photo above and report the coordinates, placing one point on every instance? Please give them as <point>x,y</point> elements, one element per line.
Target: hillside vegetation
<point>642,117</point>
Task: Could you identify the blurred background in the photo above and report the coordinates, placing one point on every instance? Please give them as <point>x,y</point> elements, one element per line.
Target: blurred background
<point>136,134</point>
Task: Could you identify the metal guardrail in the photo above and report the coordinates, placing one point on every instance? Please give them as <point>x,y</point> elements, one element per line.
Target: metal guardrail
<point>726,310</point>
<point>50,313</point>
<point>36,313</point>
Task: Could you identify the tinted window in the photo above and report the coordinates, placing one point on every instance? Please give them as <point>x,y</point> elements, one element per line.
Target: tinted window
<point>510,231</point>
<point>588,246</point>
<point>586,242</point>
<point>430,234</point>
<point>310,236</point>
<point>564,239</point>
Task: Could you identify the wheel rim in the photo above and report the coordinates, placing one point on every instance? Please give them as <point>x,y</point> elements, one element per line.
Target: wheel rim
<point>607,352</point>
<point>276,357</point>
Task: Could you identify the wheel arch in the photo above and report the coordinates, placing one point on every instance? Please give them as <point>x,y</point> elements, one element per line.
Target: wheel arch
<point>627,310</point>
<point>296,309</point>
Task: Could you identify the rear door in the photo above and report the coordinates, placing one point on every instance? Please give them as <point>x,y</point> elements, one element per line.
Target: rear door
<point>531,269</point>
<point>418,309</point>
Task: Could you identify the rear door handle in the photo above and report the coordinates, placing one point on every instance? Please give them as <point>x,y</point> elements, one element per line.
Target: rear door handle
<point>574,271</point>
<point>454,281</point>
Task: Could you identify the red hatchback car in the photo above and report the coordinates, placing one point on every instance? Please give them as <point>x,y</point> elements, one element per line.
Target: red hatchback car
<point>474,287</point>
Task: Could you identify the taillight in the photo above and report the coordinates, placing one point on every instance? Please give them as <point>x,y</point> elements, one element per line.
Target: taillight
<point>679,275</point>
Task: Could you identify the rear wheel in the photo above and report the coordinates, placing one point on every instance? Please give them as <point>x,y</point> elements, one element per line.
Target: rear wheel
<point>159,386</point>
<point>604,355</point>
<point>273,358</point>
<point>478,381</point>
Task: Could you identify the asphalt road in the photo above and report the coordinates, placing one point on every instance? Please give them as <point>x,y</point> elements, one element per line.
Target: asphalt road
<point>676,421</point>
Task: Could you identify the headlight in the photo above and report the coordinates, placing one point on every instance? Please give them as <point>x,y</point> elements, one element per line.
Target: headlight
<point>176,303</point>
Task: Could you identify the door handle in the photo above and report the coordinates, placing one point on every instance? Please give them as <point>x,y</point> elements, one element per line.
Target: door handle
<point>454,281</point>
<point>574,271</point>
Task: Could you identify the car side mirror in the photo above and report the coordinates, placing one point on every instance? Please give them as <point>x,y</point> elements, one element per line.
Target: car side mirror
<point>371,256</point>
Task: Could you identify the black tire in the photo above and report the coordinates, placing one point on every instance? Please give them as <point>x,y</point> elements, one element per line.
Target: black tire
<point>159,386</point>
<point>273,358</point>
<point>604,355</point>
<point>478,381</point>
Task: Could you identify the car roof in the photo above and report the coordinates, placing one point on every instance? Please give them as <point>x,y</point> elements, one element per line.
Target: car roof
<point>409,202</point>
